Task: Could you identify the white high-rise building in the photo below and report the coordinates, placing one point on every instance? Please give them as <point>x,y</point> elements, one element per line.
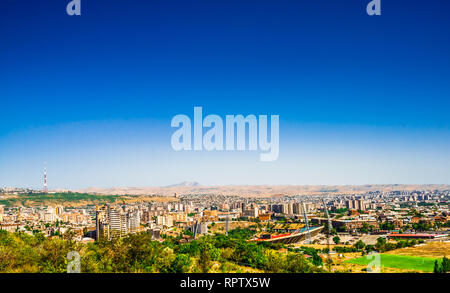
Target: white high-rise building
<point>165,220</point>
<point>49,215</point>
<point>113,222</point>
<point>133,221</point>
<point>290,209</point>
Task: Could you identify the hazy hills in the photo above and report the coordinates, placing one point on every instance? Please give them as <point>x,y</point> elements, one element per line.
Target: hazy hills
<point>260,190</point>
<point>184,184</point>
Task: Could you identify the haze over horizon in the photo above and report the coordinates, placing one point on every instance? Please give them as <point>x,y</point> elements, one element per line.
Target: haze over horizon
<point>362,100</point>
<point>193,186</point>
<point>187,188</point>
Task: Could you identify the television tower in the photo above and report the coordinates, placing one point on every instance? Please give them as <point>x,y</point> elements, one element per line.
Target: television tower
<point>45,190</point>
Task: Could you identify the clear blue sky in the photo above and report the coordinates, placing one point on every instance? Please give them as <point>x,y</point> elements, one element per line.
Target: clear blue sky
<point>361,99</point>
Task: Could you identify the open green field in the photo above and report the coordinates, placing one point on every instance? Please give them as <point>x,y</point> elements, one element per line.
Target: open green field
<point>416,263</point>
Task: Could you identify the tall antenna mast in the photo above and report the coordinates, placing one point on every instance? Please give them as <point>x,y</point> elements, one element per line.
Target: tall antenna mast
<point>45,190</point>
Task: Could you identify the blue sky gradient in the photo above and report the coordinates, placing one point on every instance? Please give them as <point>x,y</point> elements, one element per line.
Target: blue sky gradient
<point>361,99</point>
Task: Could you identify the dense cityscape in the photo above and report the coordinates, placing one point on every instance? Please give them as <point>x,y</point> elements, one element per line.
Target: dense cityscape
<point>332,232</point>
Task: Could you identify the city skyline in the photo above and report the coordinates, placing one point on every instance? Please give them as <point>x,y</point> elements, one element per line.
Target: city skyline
<point>406,228</point>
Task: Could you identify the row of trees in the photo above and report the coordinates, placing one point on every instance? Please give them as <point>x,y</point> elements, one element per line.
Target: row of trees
<point>381,246</point>
<point>443,267</point>
<point>21,252</point>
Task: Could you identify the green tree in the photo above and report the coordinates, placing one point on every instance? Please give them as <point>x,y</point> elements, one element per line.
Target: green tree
<point>364,228</point>
<point>437,267</point>
<point>181,264</point>
<point>297,264</point>
<point>336,239</point>
<point>359,245</point>
<point>445,265</point>
<point>317,260</point>
<point>276,263</point>
<point>208,254</point>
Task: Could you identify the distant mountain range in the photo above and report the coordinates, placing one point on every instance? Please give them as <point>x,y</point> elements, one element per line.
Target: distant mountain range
<point>185,184</point>
<point>260,190</point>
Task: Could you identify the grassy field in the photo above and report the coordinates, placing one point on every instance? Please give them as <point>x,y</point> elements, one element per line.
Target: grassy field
<point>413,263</point>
